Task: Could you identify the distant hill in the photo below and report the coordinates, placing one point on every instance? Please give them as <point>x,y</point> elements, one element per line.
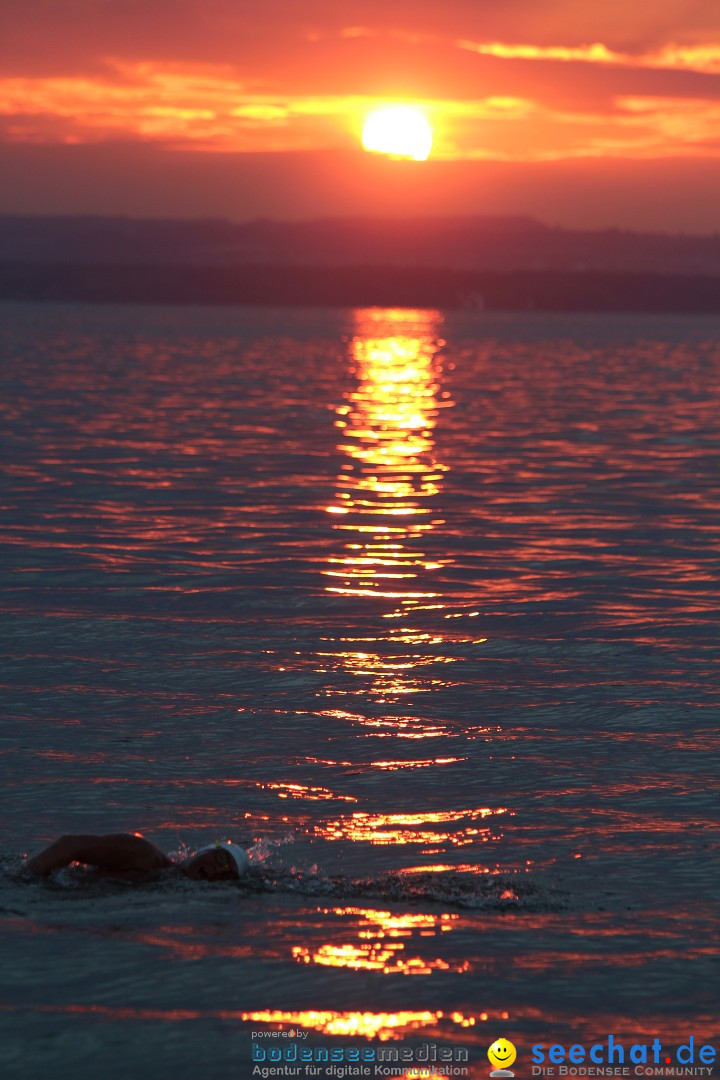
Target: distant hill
<point>510,263</point>
<point>462,243</point>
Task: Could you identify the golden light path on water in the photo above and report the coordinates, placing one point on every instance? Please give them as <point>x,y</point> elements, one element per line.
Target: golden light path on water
<point>384,505</point>
<point>369,1025</point>
<point>385,487</point>
<point>406,828</point>
<point>378,947</point>
<point>384,513</point>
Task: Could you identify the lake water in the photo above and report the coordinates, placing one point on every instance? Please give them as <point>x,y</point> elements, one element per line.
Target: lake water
<point>421,608</point>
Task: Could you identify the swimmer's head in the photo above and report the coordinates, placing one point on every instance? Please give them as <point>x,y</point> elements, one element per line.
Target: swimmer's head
<point>221,861</point>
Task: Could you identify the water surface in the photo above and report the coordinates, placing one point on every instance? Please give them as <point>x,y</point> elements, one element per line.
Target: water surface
<point>423,609</point>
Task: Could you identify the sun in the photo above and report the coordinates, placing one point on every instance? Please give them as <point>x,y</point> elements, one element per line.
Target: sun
<point>399,130</point>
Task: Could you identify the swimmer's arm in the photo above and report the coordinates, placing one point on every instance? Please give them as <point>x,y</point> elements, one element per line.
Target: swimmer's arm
<point>118,853</point>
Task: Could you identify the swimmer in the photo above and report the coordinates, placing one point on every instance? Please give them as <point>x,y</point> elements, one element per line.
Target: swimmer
<point>133,858</point>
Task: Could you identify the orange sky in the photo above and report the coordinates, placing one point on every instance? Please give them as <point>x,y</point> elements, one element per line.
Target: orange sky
<point>558,108</point>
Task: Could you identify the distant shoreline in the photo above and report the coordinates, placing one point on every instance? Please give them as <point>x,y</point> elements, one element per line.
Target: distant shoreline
<point>361,286</point>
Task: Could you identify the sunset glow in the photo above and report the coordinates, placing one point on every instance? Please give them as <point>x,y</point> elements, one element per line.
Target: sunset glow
<point>209,109</point>
<point>606,100</point>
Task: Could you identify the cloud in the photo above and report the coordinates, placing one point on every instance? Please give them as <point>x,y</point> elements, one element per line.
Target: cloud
<point>522,82</point>
<point>69,36</point>
<point>705,58</point>
<point>205,109</point>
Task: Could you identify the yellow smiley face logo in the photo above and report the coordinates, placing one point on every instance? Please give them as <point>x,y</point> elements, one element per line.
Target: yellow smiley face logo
<point>501,1054</point>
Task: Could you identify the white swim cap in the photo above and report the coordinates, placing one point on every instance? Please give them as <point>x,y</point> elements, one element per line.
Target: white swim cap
<point>239,855</point>
<point>236,853</point>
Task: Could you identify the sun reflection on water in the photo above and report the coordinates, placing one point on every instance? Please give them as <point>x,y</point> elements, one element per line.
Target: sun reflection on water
<point>405,828</point>
<point>386,957</point>
<point>384,504</point>
<point>386,486</point>
<point>369,1025</point>
<point>377,946</point>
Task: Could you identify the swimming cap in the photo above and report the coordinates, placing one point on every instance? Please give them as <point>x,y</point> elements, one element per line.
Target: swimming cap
<point>236,853</point>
